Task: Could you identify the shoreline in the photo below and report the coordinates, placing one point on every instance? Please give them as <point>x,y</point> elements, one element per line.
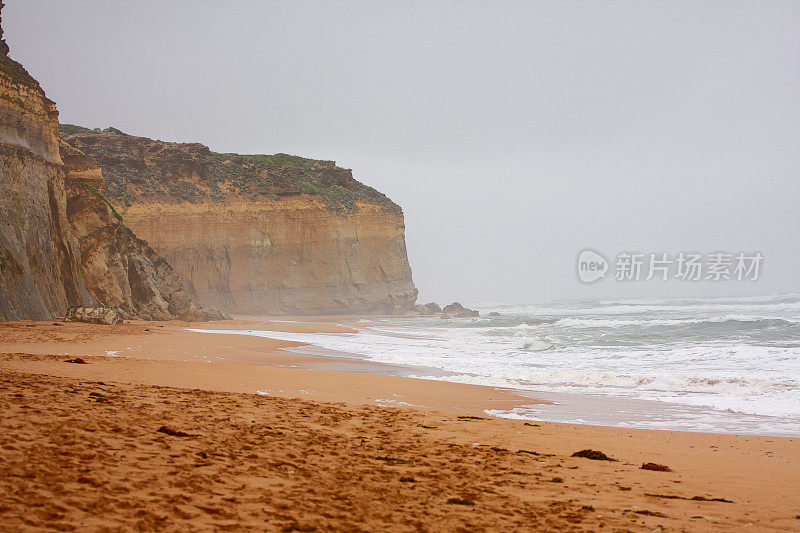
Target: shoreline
<point>160,364</point>
<point>176,341</point>
<point>154,353</point>
<point>573,406</point>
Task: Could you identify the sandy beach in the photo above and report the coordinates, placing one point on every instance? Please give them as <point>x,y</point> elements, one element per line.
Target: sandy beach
<point>171,430</point>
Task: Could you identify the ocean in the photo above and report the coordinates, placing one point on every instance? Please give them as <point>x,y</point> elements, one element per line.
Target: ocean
<point>717,365</point>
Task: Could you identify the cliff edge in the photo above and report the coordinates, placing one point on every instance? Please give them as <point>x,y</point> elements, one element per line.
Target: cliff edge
<point>39,258</point>
<point>275,234</point>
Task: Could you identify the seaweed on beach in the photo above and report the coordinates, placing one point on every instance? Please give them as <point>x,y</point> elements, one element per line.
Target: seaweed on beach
<point>692,499</point>
<point>173,432</point>
<point>593,454</point>
<point>655,467</point>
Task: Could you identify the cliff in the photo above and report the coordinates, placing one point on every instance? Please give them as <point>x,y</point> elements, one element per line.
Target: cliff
<point>273,234</point>
<point>119,269</point>
<point>60,243</point>
<point>39,258</point>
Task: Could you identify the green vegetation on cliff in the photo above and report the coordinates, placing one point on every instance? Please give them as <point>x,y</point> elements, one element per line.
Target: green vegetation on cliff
<point>140,168</point>
<point>100,195</point>
<point>70,129</point>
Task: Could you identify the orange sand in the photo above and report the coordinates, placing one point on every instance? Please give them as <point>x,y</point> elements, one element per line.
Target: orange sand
<point>80,448</point>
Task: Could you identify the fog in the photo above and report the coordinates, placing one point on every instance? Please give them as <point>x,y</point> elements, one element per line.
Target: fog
<point>513,135</point>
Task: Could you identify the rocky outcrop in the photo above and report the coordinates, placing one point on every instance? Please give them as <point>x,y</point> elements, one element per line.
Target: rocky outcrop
<point>93,315</point>
<point>457,310</point>
<point>258,234</point>
<point>431,308</point>
<point>62,245</point>
<point>119,269</point>
<point>453,310</point>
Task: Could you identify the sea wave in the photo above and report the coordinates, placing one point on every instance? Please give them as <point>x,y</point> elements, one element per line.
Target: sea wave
<point>734,356</point>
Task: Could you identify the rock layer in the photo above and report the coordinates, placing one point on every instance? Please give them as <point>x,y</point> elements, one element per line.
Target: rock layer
<point>293,256</point>
<point>39,258</point>
<point>258,234</point>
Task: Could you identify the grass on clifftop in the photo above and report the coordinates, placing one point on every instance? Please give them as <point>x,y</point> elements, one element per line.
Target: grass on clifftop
<point>275,159</point>
<point>70,129</point>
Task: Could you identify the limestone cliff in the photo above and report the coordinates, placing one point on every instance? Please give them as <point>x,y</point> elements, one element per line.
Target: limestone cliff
<point>39,258</point>
<point>60,245</point>
<point>272,234</point>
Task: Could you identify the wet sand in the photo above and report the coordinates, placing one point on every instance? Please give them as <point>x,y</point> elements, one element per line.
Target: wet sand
<point>274,445</point>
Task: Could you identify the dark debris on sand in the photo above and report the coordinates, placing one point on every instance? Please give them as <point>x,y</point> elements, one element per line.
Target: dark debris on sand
<point>173,432</point>
<point>461,501</point>
<point>391,460</point>
<point>656,467</point>
<point>645,512</point>
<point>693,498</point>
<point>593,454</point>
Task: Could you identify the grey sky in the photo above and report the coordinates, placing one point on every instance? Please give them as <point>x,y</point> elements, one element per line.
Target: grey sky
<point>513,134</point>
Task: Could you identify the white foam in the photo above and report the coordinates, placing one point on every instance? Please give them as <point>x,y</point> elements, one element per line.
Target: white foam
<point>738,356</point>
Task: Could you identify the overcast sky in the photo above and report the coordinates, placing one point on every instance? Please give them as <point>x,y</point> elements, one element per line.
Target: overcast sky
<point>513,134</point>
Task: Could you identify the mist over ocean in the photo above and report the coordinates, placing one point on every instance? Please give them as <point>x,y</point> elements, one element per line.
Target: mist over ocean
<point>721,365</point>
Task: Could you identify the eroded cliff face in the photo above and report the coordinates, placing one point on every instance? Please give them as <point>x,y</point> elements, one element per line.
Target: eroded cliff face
<point>119,269</point>
<point>60,245</point>
<point>258,234</point>
<point>39,258</point>
<point>292,256</point>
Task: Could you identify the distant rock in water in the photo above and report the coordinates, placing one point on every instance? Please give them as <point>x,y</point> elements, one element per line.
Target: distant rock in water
<point>457,310</point>
<point>428,309</point>
<point>276,234</point>
<point>453,310</point>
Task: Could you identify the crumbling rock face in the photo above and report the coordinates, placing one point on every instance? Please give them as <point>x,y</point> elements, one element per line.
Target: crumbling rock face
<point>120,270</point>
<point>39,258</point>
<point>62,245</point>
<point>212,313</point>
